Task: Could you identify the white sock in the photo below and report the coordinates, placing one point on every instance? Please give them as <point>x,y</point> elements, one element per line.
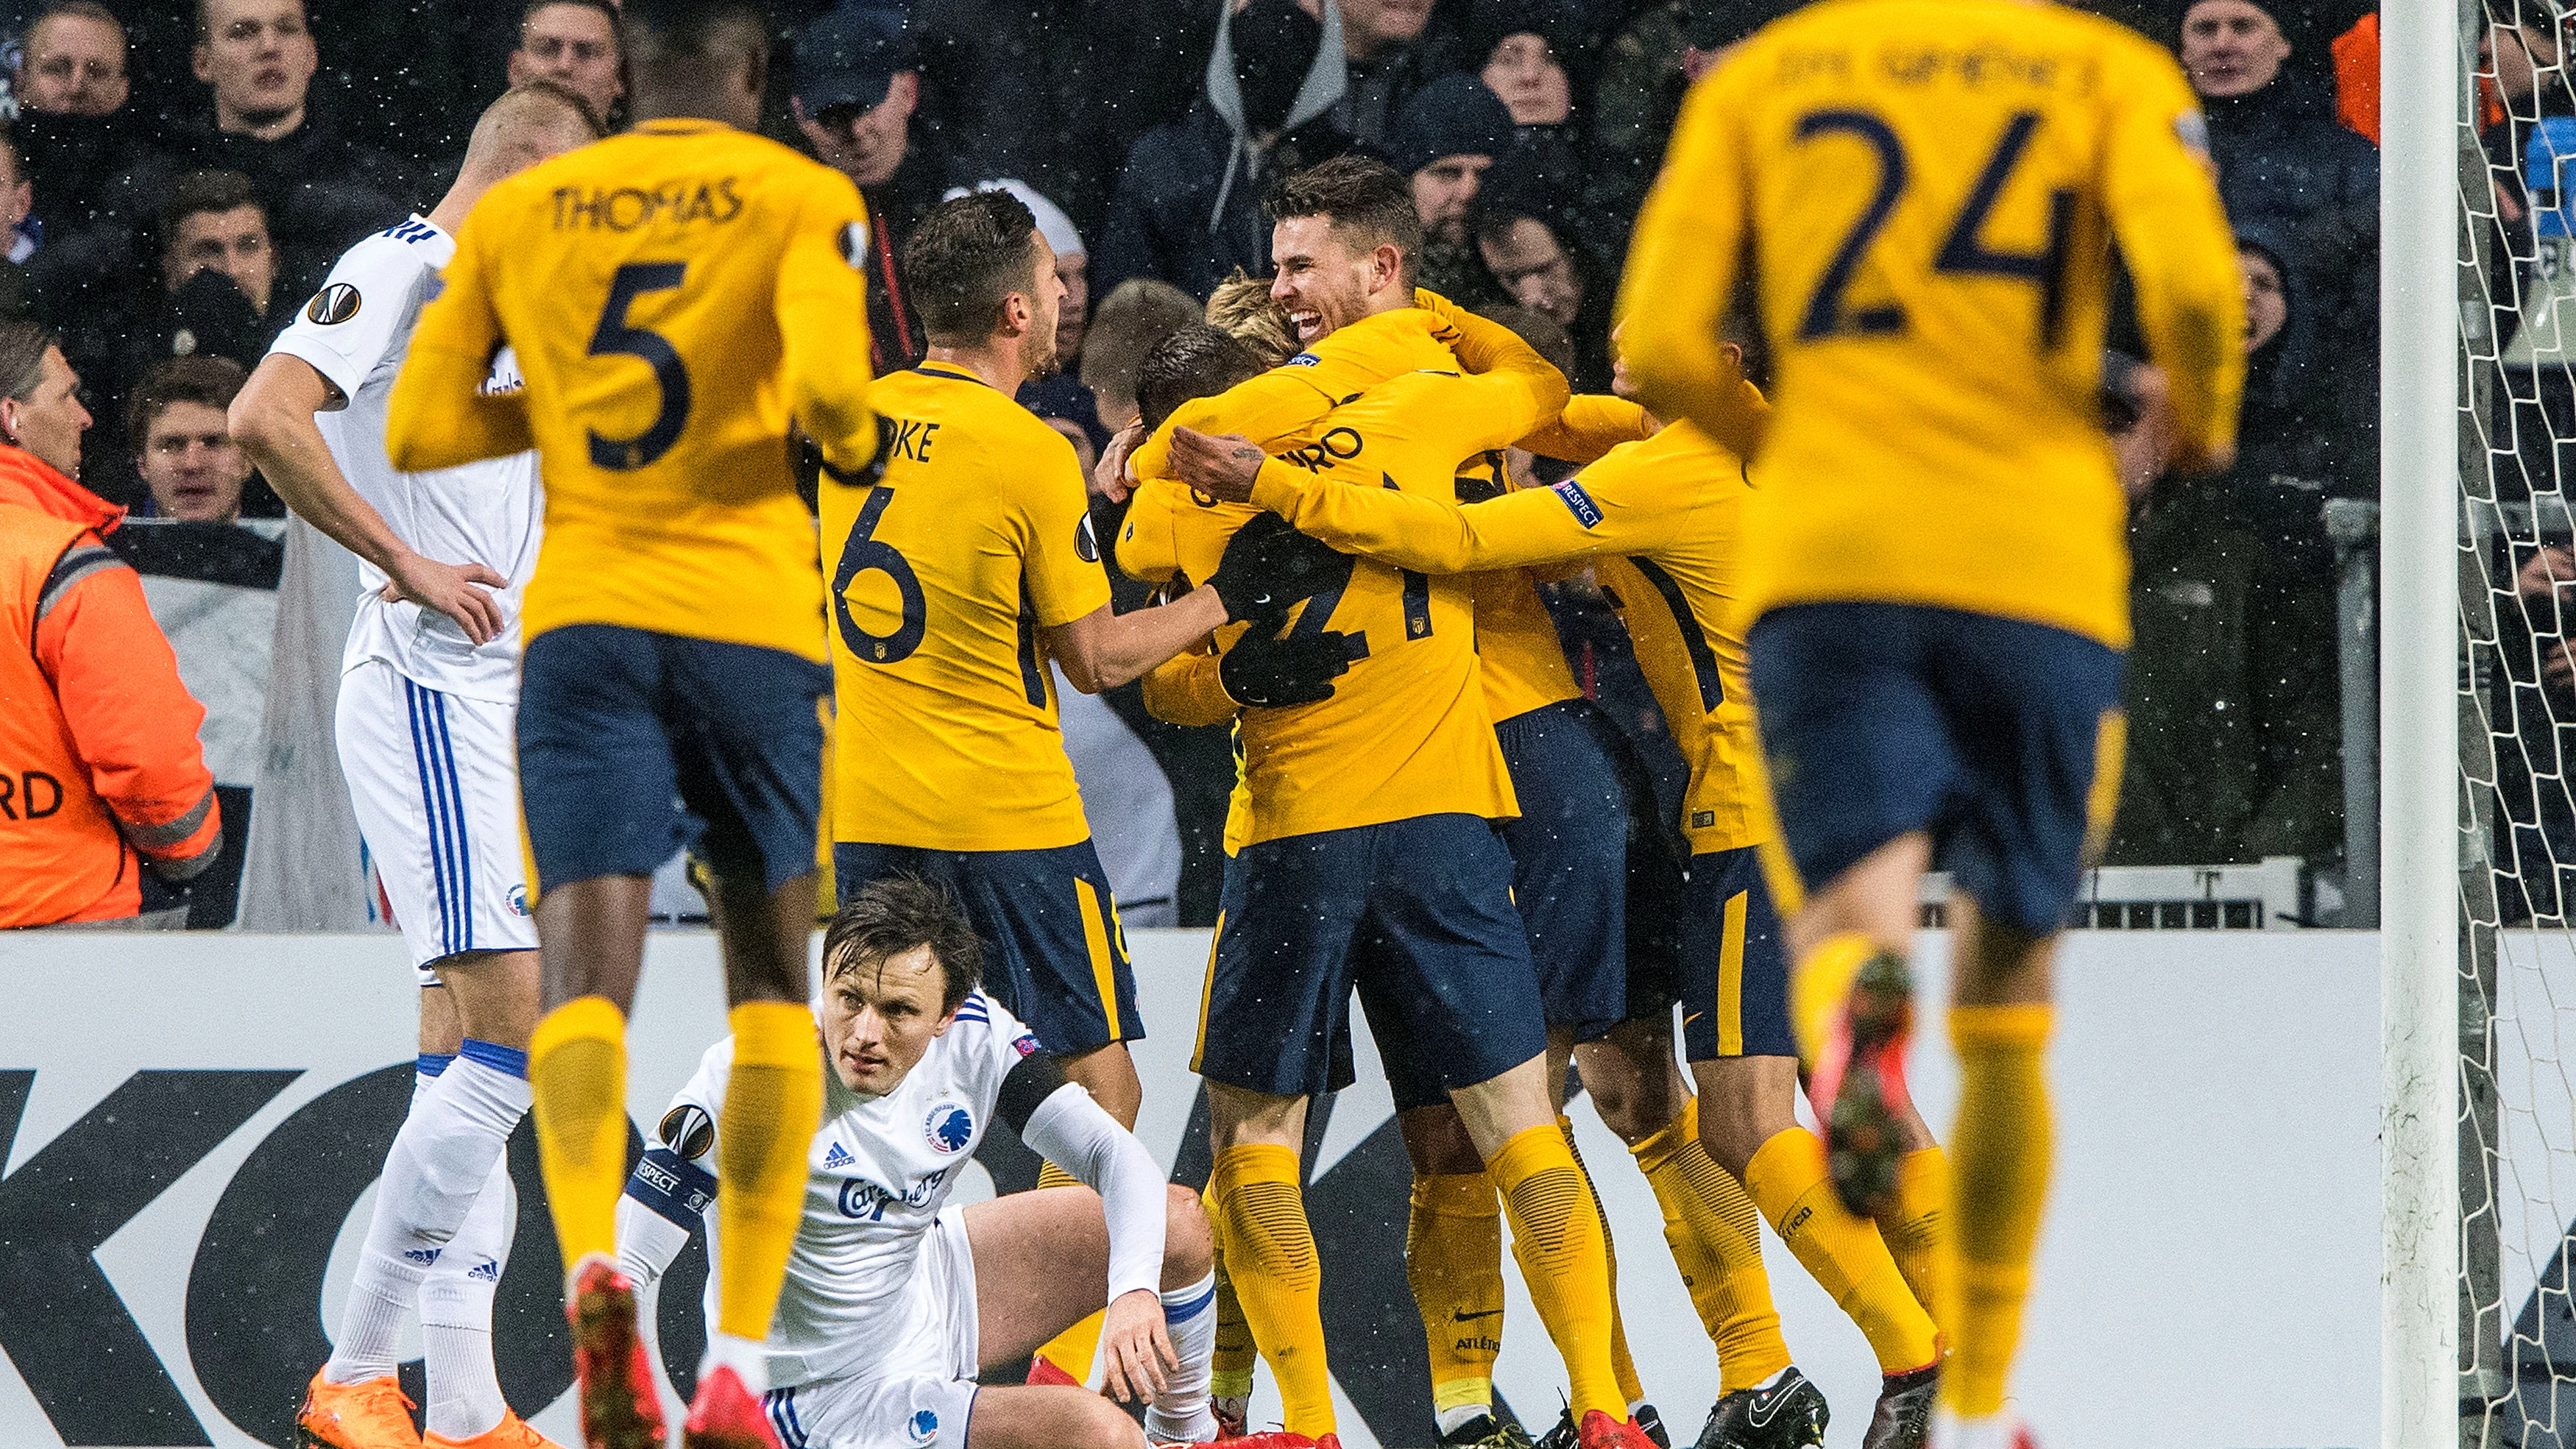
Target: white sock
<point>456,1314</point>
<point>1451,1418</point>
<point>456,1130</point>
<point>1180,1414</point>
<point>747,1357</point>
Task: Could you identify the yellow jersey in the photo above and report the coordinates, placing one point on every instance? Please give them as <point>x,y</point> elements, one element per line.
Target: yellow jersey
<point>1924,193</point>
<point>1405,733</point>
<point>1662,520</point>
<point>676,296</point>
<point>944,578</point>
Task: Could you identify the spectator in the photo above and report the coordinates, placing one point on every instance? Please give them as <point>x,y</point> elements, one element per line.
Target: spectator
<point>1645,67</point>
<point>319,190</point>
<point>1077,96</point>
<point>214,222</point>
<point>1389,51</point>
<point>1188,208</point>
<point>856,92</point>
<point>1132,318</point>
<point>72,61</point>
<point>1060,399</point>
<point>1519,244</point>
<point>212,588</point>
<point>2285,162</point>
<point>183,446</point>
<point>1446,139</point>
<point>99,734</point>
<point>573,43</point>
<point>1531,52</point>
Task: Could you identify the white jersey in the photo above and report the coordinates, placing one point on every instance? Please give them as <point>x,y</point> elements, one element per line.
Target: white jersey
<point>878,1172</point>
<point>355,332</point>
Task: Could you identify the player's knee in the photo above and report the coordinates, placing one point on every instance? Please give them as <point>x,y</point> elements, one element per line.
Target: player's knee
<point>1189,1247</point>
<point>1096,1423</point>
<point>1730,1133</point>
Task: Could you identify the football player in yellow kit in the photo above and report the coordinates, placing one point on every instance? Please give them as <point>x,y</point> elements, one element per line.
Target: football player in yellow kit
<point>1365,855</point>
<point>676,298</point>
<point>1923,193</point>
<point>954,580</point>
<point>1659,514</point>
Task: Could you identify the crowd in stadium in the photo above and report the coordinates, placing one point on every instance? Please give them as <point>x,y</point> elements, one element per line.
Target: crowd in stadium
<point>178,179</point>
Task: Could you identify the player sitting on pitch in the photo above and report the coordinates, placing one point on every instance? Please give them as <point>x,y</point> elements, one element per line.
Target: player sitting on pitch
<point>895,1301</point>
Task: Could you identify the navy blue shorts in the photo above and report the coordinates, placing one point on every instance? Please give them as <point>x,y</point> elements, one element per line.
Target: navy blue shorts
<point>1880,719</point>
<point>1417,915</point>
<point>1054,953</point>
<point>634,744</point>
<point>1735,976</point>
<point>1595,884</point>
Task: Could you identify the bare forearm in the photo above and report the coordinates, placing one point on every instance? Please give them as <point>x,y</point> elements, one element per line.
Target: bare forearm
<point>289,450</point>
<point>1125,646</point>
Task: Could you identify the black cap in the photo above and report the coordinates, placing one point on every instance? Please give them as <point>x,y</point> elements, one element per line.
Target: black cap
<point>850,57</point>
<point>1456,115</point>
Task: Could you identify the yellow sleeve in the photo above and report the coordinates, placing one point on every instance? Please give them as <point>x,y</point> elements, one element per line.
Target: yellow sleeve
<point>1295,395</point>
<point>438,415</point>
<point>1486,348</point>
<point>2173,233</point>
<point>1429,535</point>
<point>822,304</point>
<point>1590,425</point>
<point>1185,690</point>
<point>1689,246</point>
<point>1149,542</point>
<point>1062,585</point>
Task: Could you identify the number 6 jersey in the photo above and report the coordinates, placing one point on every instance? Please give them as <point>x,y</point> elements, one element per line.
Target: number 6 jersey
<point>1923,193</point>
<point>675,295</point>
<point>942,580</point>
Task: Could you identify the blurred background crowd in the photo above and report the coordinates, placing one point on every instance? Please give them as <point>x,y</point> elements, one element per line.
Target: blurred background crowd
<point>177,179</point>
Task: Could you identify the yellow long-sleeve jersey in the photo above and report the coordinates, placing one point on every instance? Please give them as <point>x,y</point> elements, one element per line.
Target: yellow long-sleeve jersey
<point>675,295</point>
<point>1405,733</point>
<point>1924,192</point>
<point>1662,520</point>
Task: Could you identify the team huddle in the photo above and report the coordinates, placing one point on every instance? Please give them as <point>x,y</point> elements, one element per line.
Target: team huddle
<point>564,420</point>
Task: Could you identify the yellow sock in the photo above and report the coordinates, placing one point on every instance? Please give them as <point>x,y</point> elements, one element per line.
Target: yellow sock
<point>1912,1227</point>
<point>1072,1349</point>
<point>577,1074</point>
<point>1819,986</point>
<point>1843,1253</point>
<point>773,1102</point>
<point>1230,1367</point>
<point>1556,1236</point>
<point>1716,1237</point>
<point>1623,1367</point>
<point>1270,1255</point>
<point>2001,1144</point>
<point>1453,1258</point>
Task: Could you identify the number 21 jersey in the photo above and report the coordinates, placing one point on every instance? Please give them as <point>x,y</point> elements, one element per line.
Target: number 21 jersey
<point>943,580</point>
<point>675,296</point>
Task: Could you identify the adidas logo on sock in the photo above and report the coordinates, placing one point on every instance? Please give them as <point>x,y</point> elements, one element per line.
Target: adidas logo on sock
<point>835,1157</point>
<point>487,1271</point>
<point>423,1256</point>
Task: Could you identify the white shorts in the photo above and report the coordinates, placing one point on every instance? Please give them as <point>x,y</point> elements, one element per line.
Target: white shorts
<point>901,1410</point>
<point>434,780</point>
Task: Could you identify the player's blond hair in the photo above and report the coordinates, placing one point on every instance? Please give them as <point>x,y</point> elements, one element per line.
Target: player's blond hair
<point>1242,306</point>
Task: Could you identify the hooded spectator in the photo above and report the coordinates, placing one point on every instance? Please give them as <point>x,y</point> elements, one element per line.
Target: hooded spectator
<point>1188,208</point>
<point>1644,68</point>
<point>1055,93</point>
<point>856,94</point>
<point>1536,55</point>
<point>1445,141</point>
<point>1521,241</point>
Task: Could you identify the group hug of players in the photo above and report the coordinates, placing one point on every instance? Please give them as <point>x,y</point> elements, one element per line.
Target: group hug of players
<point>1914,562</point>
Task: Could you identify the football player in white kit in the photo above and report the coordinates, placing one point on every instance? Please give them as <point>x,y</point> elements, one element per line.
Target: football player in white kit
<point>428,695</point>
<point>894,1300</point>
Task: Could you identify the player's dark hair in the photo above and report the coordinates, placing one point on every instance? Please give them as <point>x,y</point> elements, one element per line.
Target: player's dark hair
<point>1364,198</point>
<point>22,357</point>
<point>687,28</point>
<point>206,380</point>
<point>529,11</point>
<point>78,10</point>
<point>202,191</point>
<point>1545,335</point>
<point>205,26</point>
<point>891,916</point>
<point>964,258</point>
<point>1192,362</point>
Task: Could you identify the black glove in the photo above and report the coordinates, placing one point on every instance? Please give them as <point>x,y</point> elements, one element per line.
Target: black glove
<point>867,474</point>
<point>1265,672</point>
<point>1268,566</point>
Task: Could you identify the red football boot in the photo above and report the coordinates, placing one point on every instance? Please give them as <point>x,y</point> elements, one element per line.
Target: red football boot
<point>725,1415</point>
<point>620,1408</point>
<point>1858,1085</point>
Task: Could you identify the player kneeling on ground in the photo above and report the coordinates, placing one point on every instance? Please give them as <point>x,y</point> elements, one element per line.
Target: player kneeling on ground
<point>895,1301</point>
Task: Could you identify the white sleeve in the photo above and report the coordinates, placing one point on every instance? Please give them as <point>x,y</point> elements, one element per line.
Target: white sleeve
<point>1078,1134</point>
<point>361,315</point>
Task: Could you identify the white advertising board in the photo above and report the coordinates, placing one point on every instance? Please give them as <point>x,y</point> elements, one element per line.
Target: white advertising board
<point>190,1127</point>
